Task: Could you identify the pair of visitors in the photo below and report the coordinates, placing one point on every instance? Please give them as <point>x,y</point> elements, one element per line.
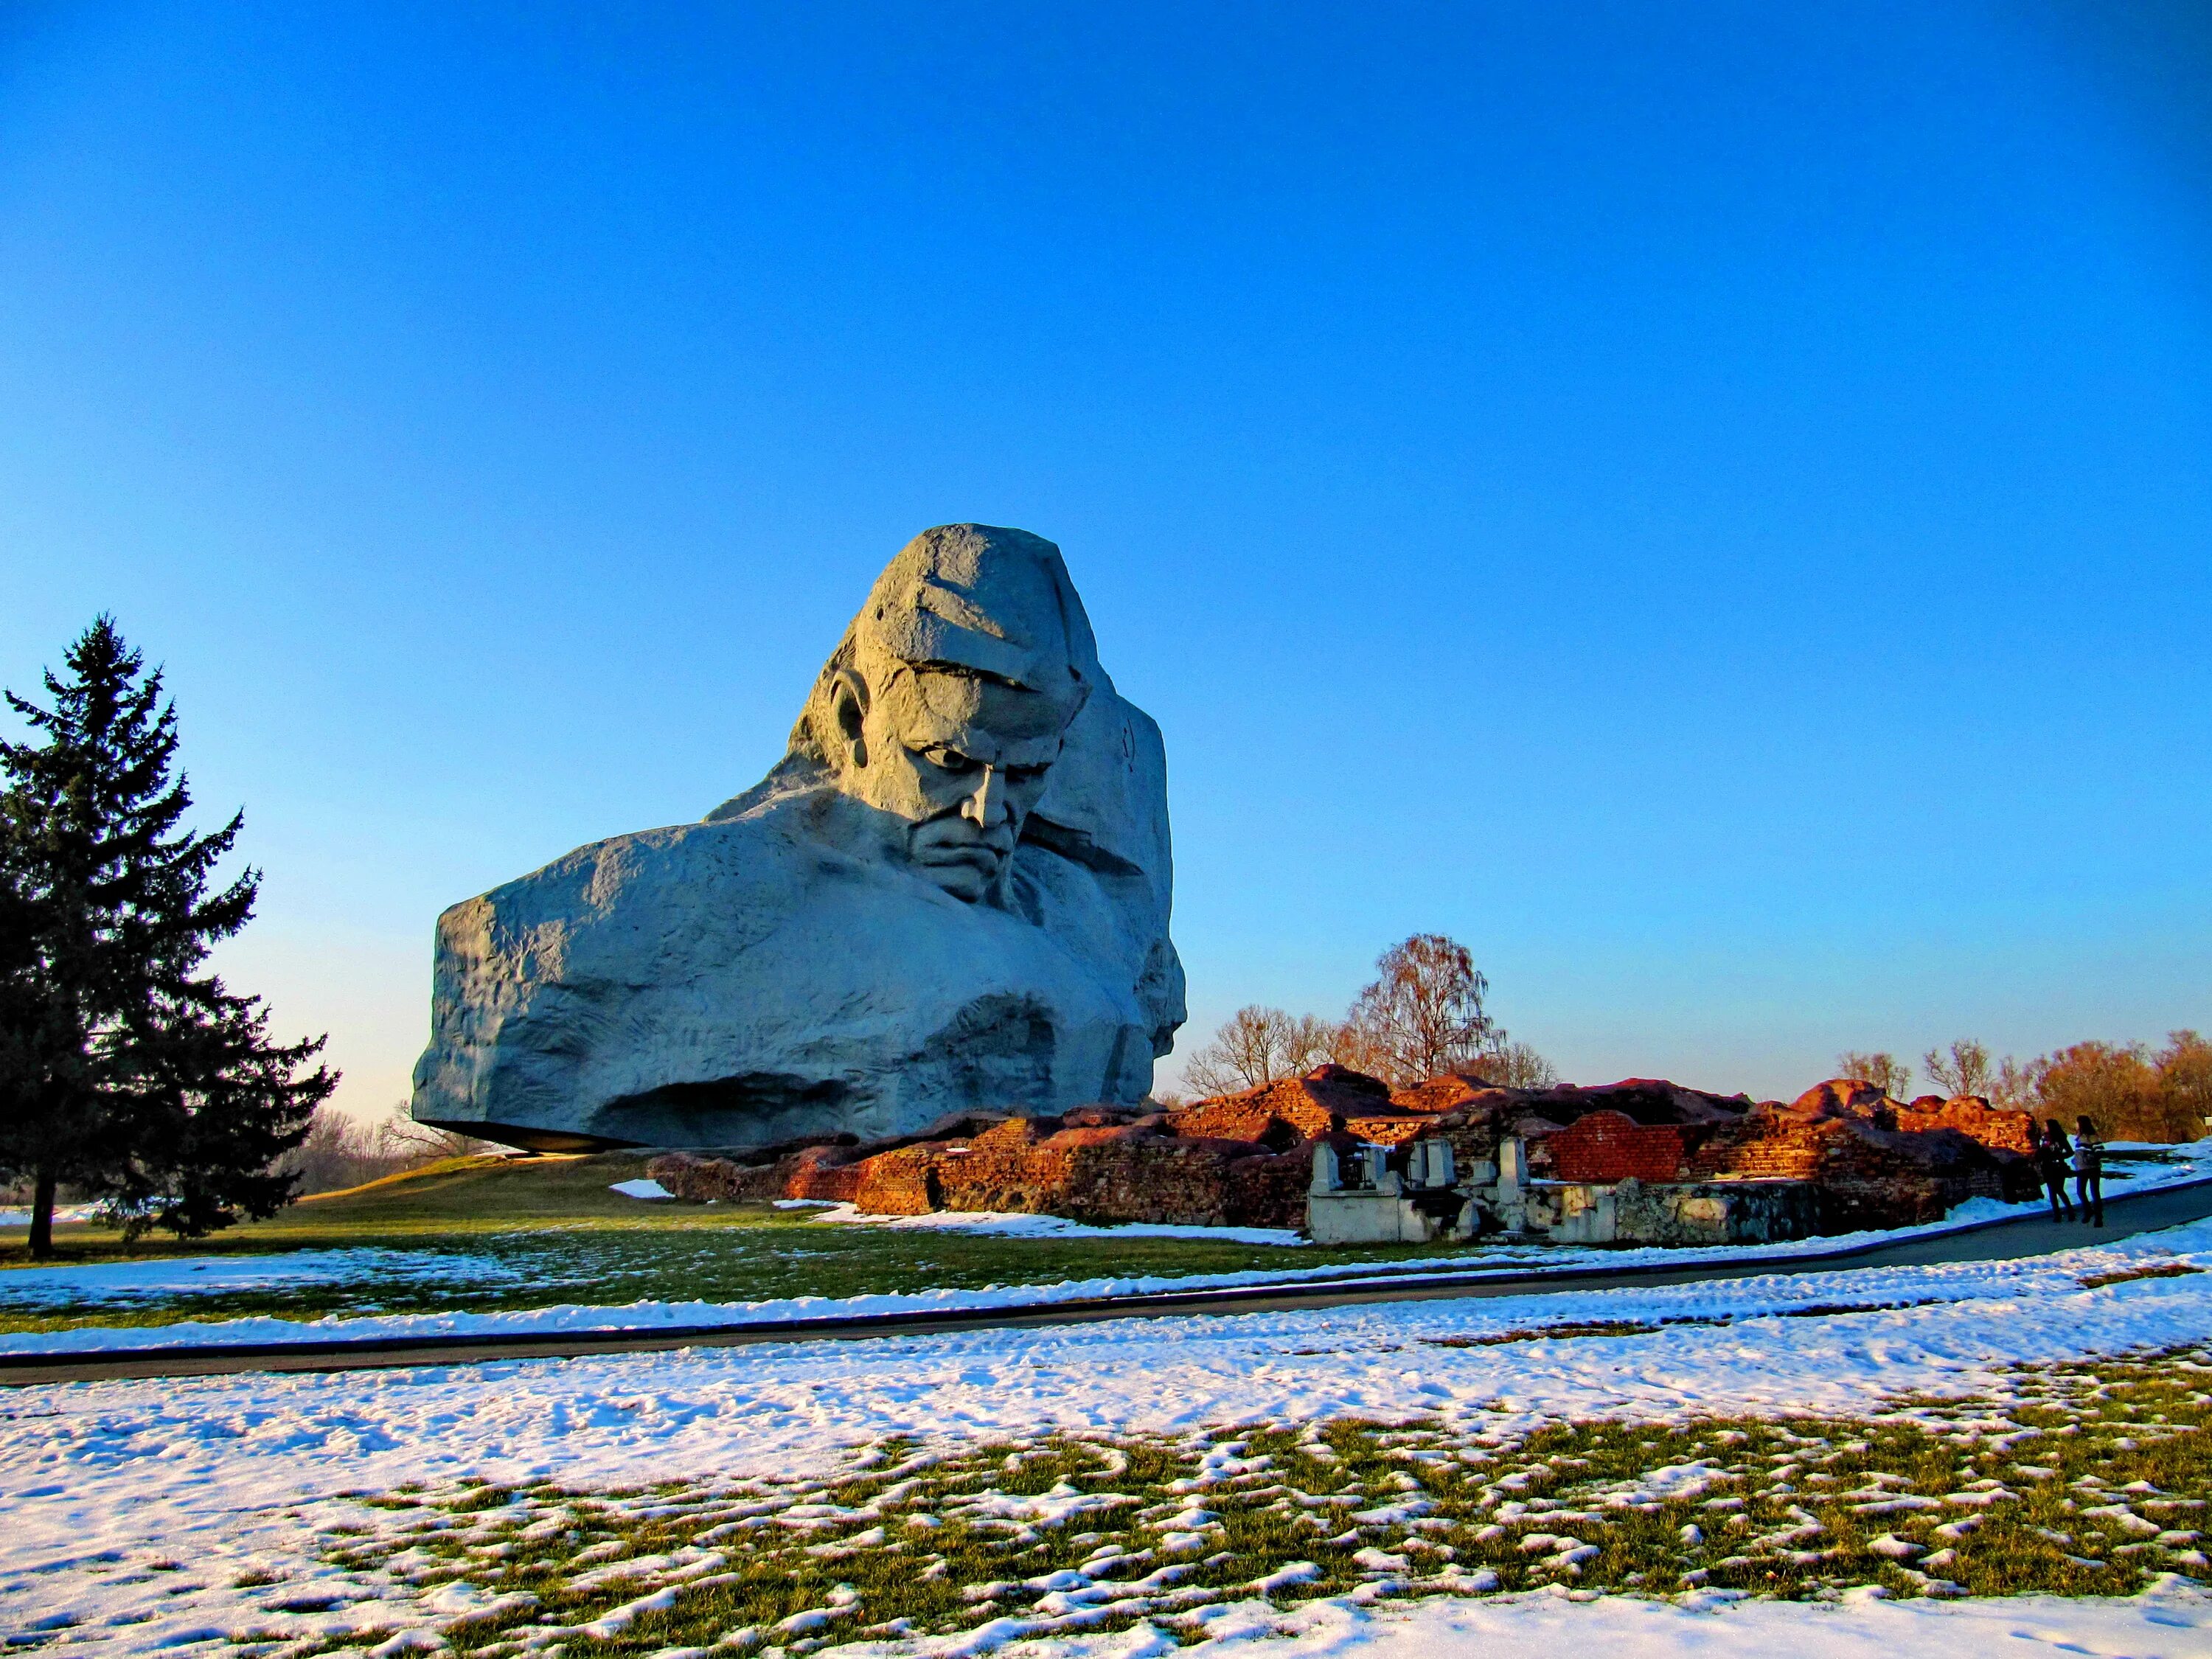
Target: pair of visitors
<point>2052,1157</point>
<point>2089,1172</point>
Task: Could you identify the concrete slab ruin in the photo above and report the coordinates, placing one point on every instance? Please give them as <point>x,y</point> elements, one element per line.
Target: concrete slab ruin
<point>1372,1196</point>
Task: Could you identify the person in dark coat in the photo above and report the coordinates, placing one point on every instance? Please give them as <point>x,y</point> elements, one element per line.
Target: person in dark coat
<point>2052,1156</point>
<point>2089,1171</point>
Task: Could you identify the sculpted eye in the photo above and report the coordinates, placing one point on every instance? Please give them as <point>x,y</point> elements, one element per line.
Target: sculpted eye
<point>1026,773</point>
<point>949,760</point>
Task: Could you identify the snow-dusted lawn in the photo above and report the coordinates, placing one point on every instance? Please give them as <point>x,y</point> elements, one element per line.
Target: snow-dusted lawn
<point>1011,1225</point>
<point>2159,1625</point>
<point>101,1283</point>
<point>176,1282</point>
<point>167,1514</point>
<point>544,1246</point>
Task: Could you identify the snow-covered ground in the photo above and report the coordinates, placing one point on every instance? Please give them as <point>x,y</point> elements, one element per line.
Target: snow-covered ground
<point>109,1282</point>
<point>2192,1164</point>
<point>1012,1224</point>
<point>1009,1224</point>
<point>2169,1622</point>
<point>229,1477</point>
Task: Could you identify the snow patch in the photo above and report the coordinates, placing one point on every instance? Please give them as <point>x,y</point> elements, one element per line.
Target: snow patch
<point>219,1275</point>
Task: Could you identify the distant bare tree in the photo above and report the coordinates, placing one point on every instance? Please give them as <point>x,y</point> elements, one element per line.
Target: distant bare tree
<point>2129,1092</point>
<point>1885,1071</point>
<point>1256,1046</point>
<point>1308,1041</point>
<point>1423,1015</point>
<point>1964,1069</point>
<point>2016,1087</point>
<point>1241,1055</point>
<point>1518,1066</point>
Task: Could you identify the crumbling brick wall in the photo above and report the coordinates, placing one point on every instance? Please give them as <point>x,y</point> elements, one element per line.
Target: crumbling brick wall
<point>1866,1175</point>
<point>1390,1128</point>
<point>1243,1117</point>
<point>820,1171</point>
<point>1182,1180</point>
<point>1974,1118</point>
<point>1452,1091</point>
<point>1311,1104</point>
<point>1610,1145</point>
<point>1000,1169</point>
<point>1269,1189</point>
<point>1104,1171</point>
<point>1246,1159</point>
<point>903,1182</point>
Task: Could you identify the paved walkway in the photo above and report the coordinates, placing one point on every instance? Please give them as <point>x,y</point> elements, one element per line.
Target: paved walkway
<point>1998,1241</point>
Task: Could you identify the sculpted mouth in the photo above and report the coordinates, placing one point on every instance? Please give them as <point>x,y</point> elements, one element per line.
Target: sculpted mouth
<point>940,846</point>
<point>985,859</point>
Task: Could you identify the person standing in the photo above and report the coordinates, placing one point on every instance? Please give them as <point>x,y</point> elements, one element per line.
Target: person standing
<point>2051,1156</point>
<point>2089,1171</point>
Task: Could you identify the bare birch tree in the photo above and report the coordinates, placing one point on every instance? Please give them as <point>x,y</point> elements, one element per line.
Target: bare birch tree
<point>1422,1015</point>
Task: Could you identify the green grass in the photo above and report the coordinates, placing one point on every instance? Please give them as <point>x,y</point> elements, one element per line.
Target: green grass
<point>2079,1480</point>
<point>556,1234</point>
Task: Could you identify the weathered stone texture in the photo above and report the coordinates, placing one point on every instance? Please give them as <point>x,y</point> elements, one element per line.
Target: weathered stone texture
<point>1717,1212</point>
<point>1874,1165</point>
<point>1974,1118</point>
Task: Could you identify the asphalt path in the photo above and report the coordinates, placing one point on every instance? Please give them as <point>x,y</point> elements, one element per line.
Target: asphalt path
<point>2005,1239</point>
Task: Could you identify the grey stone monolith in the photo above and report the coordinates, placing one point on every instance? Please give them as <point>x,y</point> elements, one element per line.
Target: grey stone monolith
<point>951,893</point>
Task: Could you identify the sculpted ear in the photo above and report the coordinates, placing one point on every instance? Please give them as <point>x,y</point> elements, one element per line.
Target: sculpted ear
<point>849,713</point>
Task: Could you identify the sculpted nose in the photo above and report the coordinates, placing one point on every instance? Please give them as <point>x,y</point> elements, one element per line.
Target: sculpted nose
<point>987,805</point>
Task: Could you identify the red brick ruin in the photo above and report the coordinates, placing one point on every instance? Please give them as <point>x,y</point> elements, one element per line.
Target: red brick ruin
<point>1245,1159</point>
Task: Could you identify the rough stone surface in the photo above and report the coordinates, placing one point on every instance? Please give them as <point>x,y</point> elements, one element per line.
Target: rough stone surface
<point>1631,1210</point>
<point>951,893</point>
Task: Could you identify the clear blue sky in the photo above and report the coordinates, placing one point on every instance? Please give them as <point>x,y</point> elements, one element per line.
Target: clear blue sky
<point>1711,504</point>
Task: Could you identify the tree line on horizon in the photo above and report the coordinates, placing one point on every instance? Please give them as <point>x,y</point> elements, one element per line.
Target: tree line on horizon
<point>1425,1013</point>
<point>2128,1091</point>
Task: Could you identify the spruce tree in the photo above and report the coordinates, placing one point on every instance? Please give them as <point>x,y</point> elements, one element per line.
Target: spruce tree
<point>126,1069</point>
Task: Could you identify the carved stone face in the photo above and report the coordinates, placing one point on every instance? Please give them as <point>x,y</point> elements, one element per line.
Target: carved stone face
<point>962,759</point>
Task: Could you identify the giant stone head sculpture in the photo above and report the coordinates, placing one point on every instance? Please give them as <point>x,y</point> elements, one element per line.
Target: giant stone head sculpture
<point>947,702</point>
<point>952,891</point>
